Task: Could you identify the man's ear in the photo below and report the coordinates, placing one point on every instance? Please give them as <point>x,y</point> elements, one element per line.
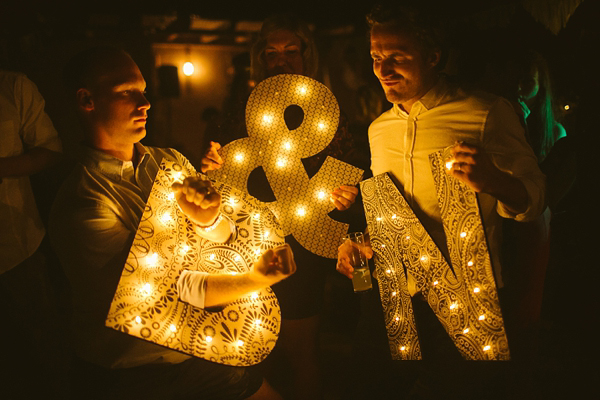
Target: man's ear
<point>84,100</point>
<point>434,57</point>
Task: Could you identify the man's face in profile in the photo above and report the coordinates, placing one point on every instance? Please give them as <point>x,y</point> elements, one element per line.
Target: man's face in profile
<point>120,106</point>
<point>404,71</point>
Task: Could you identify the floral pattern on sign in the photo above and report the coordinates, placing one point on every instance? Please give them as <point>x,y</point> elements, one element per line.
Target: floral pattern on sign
<point>146,303</point>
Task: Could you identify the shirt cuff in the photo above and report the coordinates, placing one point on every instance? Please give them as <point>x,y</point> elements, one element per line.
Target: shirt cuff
<point>535,205</point>
<point>191,287</point>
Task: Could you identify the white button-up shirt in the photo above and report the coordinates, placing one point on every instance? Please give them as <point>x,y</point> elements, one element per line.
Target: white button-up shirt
<point>401,144</point>
<point>23,125</point>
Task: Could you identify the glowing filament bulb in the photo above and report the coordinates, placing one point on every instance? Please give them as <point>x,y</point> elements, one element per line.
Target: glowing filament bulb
<point>238,258</point>
<point>266,235</point>
<point>280,163</point>
<point>267,119</point>
<point>463,234</point>
<point>407,237</point>
<point>394,216</point>
<point>232,202</point>
<point>393,293</point>
<point>256,216</point>
<point>486,348</point>
<point>453,306</point>
<point>166,218</point>
<point>287,146</point>
<point>481,317</point>
<point>389,271</point>
<point>435,283</point>
<point>383,246</point>
<point>397,318</point>
<point>321,194</point>
<point>423,258</point>
<point>470,263</point>
<point>171,196</point>
<point>188,69</point>
<point>209,339</point>
<point>321,125</point>
<point>211,257</point>
<point>567,107</point>
<point>173,328</point>
<point>302,89</point>
<point>476,290</point>
<point>152,260</point>
<point>257,322</point>
<point>378,218</point>
<point>254,295</point>
<point>146,289</point>
<point>185,248</point>
<point>239,157</point>
<point>301,211</point>
<point>138,319</point>
<point>466,330</point>
<point>402,348</point>
<point>449,164</point>
<point>235,273</point>
<point>257,252</point>
<point>239,343</point>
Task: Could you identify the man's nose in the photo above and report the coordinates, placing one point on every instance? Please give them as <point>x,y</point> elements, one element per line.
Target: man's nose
<point>143,103</point>
<point>385,68</point>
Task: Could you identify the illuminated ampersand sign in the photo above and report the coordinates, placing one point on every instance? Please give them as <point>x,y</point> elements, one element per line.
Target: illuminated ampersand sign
<point>464,298</point>
<point>301,203</point>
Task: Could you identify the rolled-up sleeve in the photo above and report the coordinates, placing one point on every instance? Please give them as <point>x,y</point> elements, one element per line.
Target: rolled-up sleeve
<point>191,287</point>
<point>504,140</point>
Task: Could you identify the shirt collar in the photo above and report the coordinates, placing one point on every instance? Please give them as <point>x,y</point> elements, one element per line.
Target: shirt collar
<point>108,165</point>
<point>431,99</point>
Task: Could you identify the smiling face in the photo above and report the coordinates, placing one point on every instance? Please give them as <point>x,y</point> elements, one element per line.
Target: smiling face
<point>403,68</point>
<point>283,53</point>
<point>117,107</point>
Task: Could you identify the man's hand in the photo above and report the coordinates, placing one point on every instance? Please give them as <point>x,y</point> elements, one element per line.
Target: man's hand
<point>473,166</point>
<point>198,199</point>
<point>274,265</point>
<point>345,256</point>
<point>212,159</point>
<point>343,197</point>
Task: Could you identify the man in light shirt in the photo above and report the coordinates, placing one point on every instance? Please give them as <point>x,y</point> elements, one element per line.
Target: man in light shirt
<point>93,223</point>
<point>429,114</point>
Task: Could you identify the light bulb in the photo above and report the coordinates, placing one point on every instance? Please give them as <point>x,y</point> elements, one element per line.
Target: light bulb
<point>287,146</point>
<point>407,237</point>
<point>466,330</point>
<point>173,328</point>
<point>321,194</point>
<point>476,290</point>
<point>138,319</point>
<point>302,89</point>
<point>238,258</point>
<point>301,211</point>
<point>423,258</point>
<point>486,348</point>
<point>393,294</point>
<point>256,216</point>
<point>267,119</point>
<point>470,263</point>
<point>481,317</point>
<point>232,202</point>
<point>449,164</point>
<point>402,348</point>
<point>321,125</point>
<point>463,234</point>
<point>239,343</point>
<point>211,257</point>
<point>280,163</point>
<point>177,175</point>
<point>254,295</point>
<point>257,322</point>
<point>383,245</point>
<point>185,248</point>
<point>397,318</point>
<point>389,271</point>
<point>435,283</point>
<point>453,306</point>
<point>266,235</point>
<point>567,107</point>
<point>239,157</point>
<point>146,289</point>
<point>378,218</point>
<point>152,260</point>
<point>209,339</point>
<point>188,69</point>
<point>171,196</point>
<point>166,218</point>
<point>394,216</point>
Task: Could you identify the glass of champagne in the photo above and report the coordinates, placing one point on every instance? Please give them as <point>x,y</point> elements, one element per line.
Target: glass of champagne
<point>361,277</point>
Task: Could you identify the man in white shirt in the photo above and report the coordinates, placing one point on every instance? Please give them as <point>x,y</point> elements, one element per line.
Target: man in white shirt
<point>29,144</point>
<point>488,146</point>
<point>93,223</point>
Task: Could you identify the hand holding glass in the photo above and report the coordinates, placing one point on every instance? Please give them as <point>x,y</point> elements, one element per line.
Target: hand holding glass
<point>361,276</point>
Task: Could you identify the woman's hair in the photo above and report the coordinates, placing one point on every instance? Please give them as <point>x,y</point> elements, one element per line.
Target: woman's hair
<point>290,23</point>
<point>541,122</point>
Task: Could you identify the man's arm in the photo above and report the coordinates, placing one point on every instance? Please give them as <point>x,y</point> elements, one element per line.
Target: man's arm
<point>209,290</point>
<point>503,165</point>
<point>31,162</point>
